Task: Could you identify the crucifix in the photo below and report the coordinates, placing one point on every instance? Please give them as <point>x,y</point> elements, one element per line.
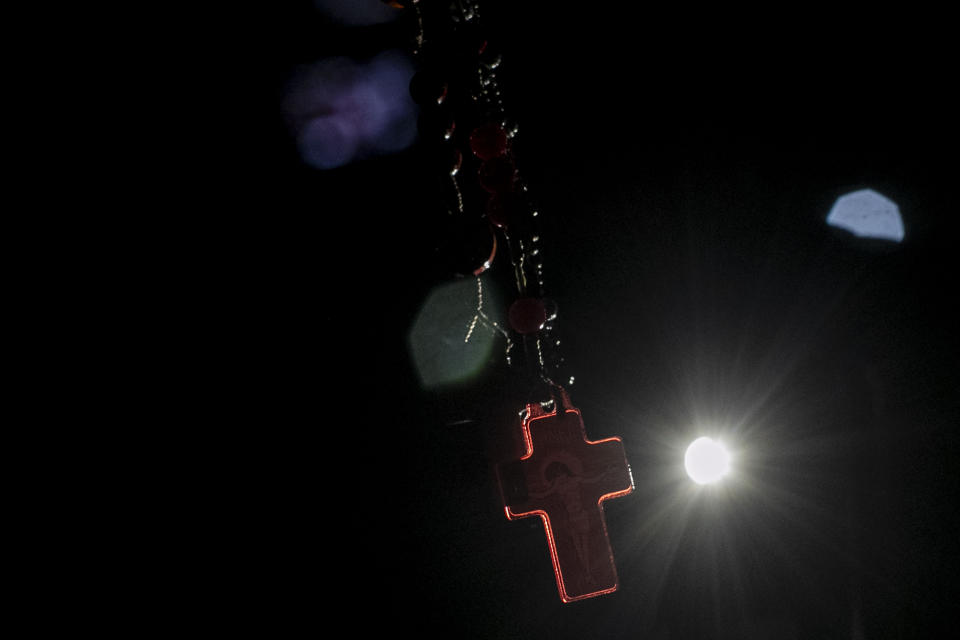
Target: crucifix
<point>564,478</point>
<point>560,476</point>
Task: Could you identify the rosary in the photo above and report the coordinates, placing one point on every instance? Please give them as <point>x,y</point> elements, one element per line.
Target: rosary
<point>555,472</point>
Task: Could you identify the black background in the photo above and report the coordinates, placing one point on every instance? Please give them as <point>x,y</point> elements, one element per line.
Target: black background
<point>684,164</point>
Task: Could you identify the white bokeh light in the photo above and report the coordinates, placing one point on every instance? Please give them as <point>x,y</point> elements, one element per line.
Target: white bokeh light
<point>706,461</point>
<point>868,214</point>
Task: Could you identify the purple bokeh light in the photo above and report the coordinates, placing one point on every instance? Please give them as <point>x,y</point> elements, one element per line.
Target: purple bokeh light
<point>357,12</point>
<point>341,110</point>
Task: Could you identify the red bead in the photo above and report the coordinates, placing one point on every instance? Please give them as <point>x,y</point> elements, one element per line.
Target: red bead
<point>497,175</point>
<point>466,245</point>
<point>490,56</point>
<point>502,208</point>
<point>493,253</point>
<point>527,315</point>
<point>489,141</point>
<point>456,160</point>
<point>451,126</point>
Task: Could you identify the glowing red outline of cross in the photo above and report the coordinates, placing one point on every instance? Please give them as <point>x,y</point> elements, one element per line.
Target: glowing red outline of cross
<point>528,440</point>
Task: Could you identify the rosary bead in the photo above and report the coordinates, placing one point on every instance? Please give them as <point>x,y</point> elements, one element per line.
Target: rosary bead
<point>504,208</point>
<point>488,141</point>
<point>498,175</point>
<point>489,56</point>
<point>427,87</point>
<point>455,160</point>
<point>550,308</point>
<point>467,245</point>
<point>491,62</point>
<point>436,125</point>
<point>527,315</point>
<point>445,158</point>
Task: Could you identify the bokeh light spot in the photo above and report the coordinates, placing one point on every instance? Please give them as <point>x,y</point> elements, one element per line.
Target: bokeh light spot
<point>449,341</point>
<point>341,110</point>
<point>357,12</point>
<point>868,214</point>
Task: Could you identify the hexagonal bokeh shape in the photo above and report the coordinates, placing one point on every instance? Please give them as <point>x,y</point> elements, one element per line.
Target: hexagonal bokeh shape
<point>867,214</point>
<point>449,341</point>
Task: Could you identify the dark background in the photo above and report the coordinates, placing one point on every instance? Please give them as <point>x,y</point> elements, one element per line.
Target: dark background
<point>684,165</point>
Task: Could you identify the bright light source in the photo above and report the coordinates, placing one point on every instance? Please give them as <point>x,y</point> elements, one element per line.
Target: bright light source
<point>706,461</point>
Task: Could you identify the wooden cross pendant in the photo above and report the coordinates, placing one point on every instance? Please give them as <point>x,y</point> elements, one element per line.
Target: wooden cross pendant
<point>564,478</point>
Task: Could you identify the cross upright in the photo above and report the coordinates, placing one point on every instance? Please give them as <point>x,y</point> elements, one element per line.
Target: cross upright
<point>565,478</point>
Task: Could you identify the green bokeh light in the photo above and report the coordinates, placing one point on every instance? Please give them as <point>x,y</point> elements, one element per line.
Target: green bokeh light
<point>438,342</point>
